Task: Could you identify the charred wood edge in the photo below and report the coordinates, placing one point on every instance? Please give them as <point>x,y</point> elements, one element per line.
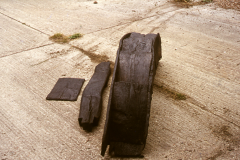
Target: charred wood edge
<point>105,140</point>
<point>88,126</point>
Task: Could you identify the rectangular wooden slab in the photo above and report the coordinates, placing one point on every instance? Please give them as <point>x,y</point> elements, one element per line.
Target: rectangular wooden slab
<point>66,89</point>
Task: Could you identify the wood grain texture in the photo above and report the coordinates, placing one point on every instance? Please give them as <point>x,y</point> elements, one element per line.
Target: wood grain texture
<point>126,125</point>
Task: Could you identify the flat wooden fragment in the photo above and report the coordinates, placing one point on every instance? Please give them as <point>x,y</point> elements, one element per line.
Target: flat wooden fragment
<point>127,119</point>
<point>66,89</point>
<point>91,103</point>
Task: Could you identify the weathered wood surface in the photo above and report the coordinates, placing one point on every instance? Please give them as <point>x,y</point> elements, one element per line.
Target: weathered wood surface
<point>91,103</point>
<point>127,120</point>
<point>66,89</point>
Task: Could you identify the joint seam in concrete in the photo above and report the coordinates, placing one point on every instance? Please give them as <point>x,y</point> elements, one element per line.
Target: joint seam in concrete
<point>23,24</point>
<point>131,21</point>
<point>27,50</point>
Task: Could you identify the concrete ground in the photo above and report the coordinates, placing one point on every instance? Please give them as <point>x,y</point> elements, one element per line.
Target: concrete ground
<point>201,59</point>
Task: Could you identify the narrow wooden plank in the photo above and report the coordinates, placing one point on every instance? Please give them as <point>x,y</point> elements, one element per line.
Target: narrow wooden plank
<point>91,103</point>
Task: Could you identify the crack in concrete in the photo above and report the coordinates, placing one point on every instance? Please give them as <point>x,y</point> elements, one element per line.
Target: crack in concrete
<point>143,18</point>
<point>29,27</point>
<point>122,24</point>
<point>96,30</point>
<point>24,24</point>
<point>26,50</point>
<point>170,93</point>
<point>193,101</point>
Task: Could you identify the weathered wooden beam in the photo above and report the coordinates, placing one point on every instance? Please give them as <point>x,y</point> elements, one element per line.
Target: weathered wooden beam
<point>127,118</point>
<point>66,89</point>
<point>91,103</point>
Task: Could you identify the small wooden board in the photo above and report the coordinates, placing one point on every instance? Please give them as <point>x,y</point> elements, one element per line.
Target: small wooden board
<point>66,89</point>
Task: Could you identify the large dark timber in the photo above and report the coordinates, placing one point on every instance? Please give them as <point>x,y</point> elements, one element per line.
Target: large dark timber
<point>91,103</point>
<point>128,112</point>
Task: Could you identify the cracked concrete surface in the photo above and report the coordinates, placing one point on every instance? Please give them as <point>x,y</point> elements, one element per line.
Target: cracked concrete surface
<point>201,59</point>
